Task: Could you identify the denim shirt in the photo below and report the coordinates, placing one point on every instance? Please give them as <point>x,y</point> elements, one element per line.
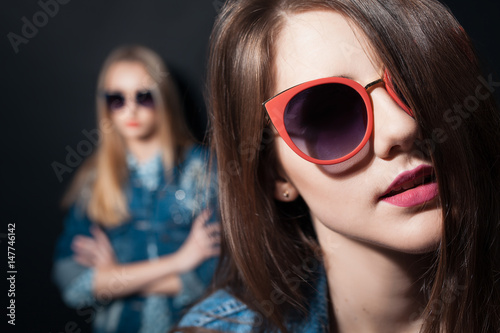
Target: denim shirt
<point>161,214</point>
<point>223,312</point>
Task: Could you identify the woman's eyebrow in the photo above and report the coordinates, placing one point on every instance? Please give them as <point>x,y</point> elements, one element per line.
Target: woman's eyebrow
<point>367,85</point>
<point>345,77</point>
<point>342,76</point>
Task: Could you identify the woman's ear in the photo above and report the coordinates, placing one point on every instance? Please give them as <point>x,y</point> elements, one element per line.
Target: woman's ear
<point>285,191</point>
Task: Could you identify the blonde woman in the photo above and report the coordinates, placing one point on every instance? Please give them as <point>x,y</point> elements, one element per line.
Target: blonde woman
<point>136,246</point>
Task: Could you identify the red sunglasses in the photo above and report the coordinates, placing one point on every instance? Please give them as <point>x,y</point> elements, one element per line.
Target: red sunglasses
<point>329,120</point>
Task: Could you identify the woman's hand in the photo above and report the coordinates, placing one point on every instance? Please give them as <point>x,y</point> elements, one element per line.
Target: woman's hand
<point>146,277</point>
<point>94,251</point>
<point>202,242</point>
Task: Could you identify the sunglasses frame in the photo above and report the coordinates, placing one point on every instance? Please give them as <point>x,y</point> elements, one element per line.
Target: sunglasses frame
<point>124,98</point>
<point>395,96</point>
<point>276,106</point>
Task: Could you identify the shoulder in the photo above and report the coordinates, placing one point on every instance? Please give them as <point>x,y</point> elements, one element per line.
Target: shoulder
<point>221,311</point>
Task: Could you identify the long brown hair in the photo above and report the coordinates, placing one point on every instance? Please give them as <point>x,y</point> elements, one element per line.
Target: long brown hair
<point>433,64</point>
<point>105,172</point>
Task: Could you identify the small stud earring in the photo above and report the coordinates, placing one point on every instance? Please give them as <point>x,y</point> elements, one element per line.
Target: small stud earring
<point>286,194</point>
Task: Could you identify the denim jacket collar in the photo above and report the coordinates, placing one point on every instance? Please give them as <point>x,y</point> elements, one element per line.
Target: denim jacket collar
<point>147,173</point>
<point>222,311</point>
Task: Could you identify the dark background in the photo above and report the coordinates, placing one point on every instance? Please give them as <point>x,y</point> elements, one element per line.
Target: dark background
<point>47,91</point>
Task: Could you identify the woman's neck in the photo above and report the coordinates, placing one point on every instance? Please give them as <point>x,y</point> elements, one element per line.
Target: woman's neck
<point>373,290</point>
<point>144,150</point>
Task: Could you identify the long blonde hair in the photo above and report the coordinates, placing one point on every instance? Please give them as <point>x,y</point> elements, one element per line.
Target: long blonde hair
<point>99,182</point>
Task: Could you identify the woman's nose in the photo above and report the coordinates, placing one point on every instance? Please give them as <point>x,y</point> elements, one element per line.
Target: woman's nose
<point>131,105</point>
<point>394,131</point>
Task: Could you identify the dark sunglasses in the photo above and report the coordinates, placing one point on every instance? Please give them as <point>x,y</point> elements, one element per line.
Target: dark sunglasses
<point>116,100</point>
<point>329,120</point>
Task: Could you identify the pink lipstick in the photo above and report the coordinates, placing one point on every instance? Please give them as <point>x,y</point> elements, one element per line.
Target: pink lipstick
<point>412,188</point>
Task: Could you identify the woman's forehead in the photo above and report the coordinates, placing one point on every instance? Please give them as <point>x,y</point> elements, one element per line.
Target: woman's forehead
<point>317,44</point>
<point>127,75</point>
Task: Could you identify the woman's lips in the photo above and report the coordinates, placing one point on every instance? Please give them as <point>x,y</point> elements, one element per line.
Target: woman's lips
<point>412,188</point>
<point>132,124</point>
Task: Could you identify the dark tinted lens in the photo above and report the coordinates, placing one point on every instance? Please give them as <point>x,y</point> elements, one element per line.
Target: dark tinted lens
<point>145,99</point>
<point>114,101</point>
<point>326,122</point>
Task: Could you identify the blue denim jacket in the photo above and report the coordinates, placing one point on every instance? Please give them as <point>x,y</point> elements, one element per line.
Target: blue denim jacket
<point>223,312</point>
<point>160,221</point>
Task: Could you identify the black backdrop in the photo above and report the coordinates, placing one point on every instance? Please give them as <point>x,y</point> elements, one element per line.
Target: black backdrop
<point>47,90</point>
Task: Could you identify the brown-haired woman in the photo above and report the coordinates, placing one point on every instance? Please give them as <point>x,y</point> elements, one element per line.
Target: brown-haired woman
<point>358,157</point>
<point>130,249</point>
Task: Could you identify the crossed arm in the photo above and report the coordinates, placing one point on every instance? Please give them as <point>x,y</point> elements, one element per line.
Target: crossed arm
<point>159,276</point>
